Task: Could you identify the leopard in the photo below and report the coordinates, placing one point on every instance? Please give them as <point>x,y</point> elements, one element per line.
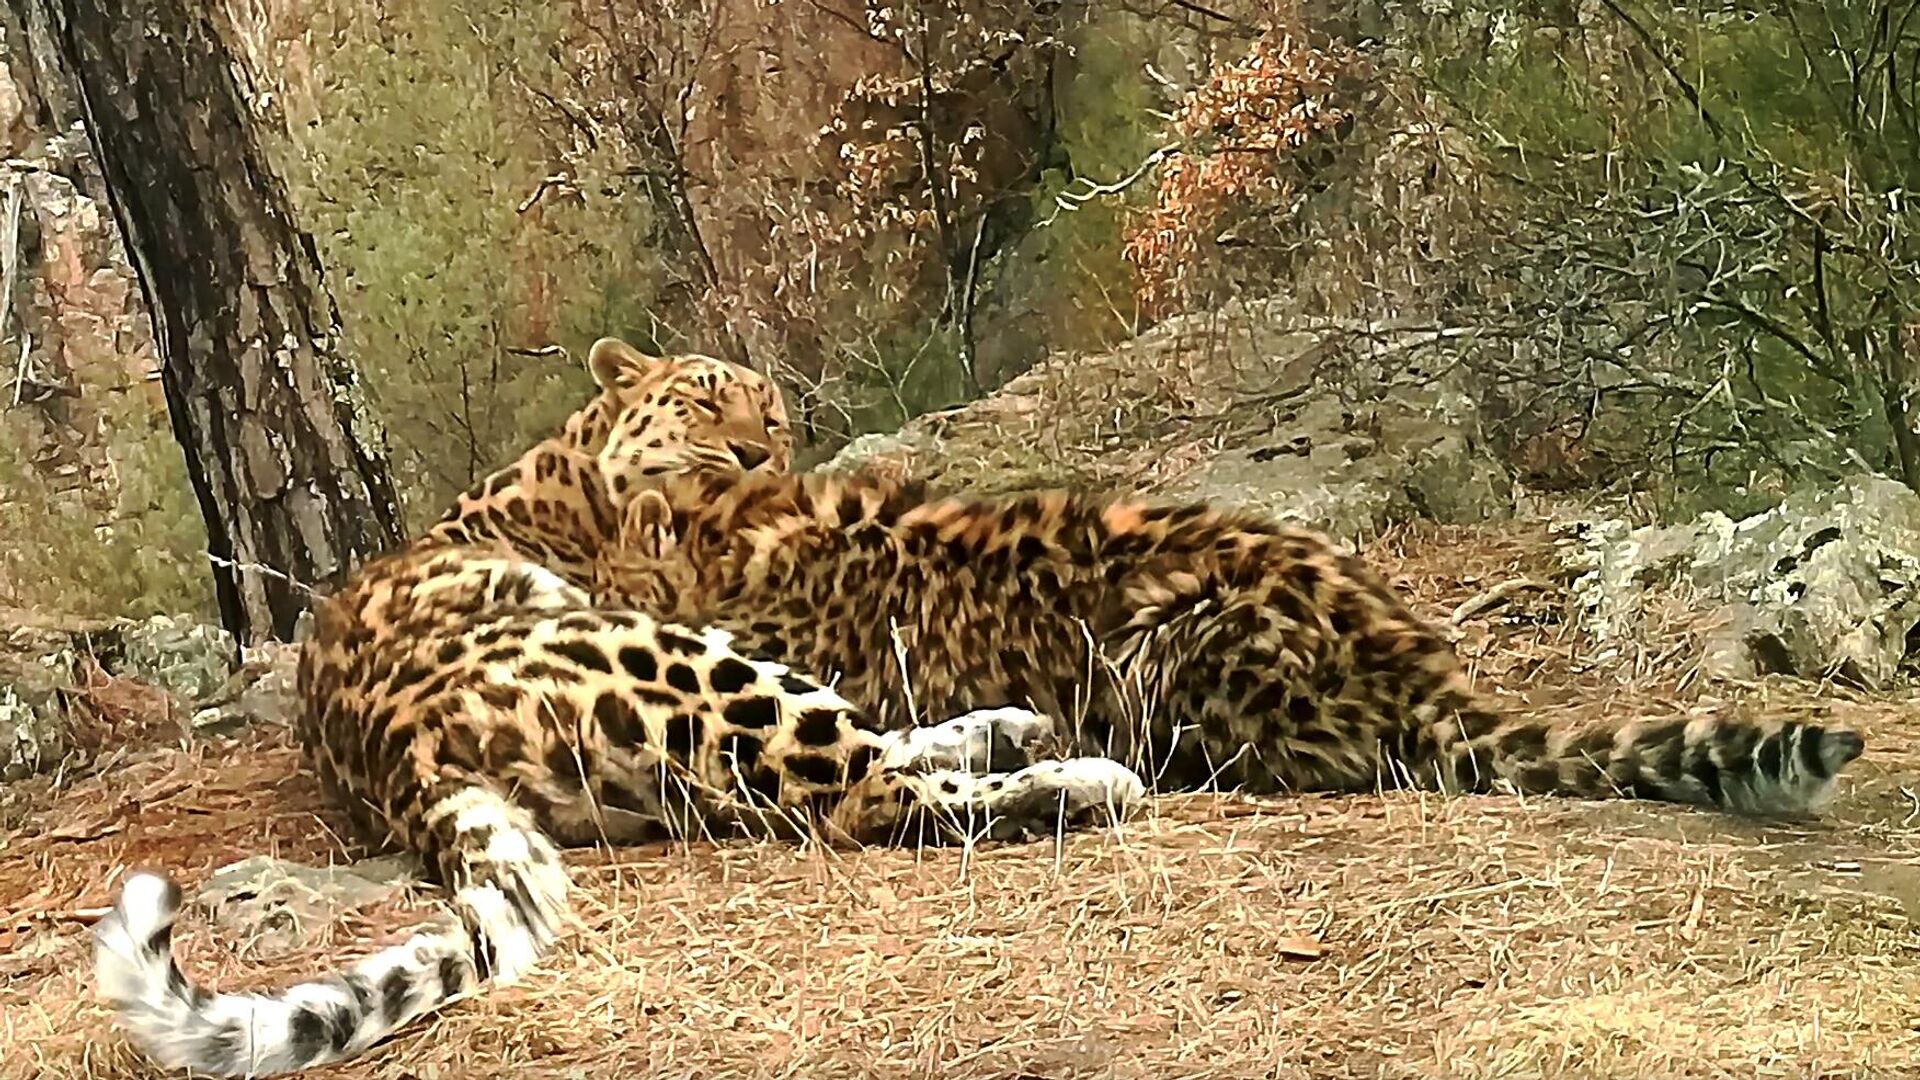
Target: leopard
<point>1205,647</point>
<point>466,697</point>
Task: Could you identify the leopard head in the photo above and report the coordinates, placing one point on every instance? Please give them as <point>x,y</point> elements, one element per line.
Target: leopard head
<point>654,418</point>
<point>679,414</point>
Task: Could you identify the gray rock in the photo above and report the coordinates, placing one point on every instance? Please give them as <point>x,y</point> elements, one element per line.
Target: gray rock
<point>283,905</point>
<point>189,659</point>
<point>1826,584</point>
<point>1351,472</point>
<point>36,671</point>
<point>33,732</point>
<point>866,448</point>
<point>41,676</point>
<point>1231,407</point>
<point>261,691</point>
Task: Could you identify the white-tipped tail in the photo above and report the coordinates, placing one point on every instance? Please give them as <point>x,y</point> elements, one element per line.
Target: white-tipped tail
<point>510,892</point>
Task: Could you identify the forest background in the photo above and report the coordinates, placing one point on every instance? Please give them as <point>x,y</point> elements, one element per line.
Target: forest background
<point>1668,251</point>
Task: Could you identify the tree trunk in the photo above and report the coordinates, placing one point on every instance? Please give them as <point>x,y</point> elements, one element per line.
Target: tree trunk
<point>289,469</point>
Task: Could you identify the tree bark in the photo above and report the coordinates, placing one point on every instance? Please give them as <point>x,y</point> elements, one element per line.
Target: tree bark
<point>289,469</point>
<point>46,104</point>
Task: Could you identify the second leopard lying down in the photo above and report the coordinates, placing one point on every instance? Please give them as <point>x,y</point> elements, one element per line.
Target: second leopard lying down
<point>1200,646</point>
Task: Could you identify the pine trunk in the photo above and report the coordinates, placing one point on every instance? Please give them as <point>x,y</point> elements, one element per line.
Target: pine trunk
<point>288,467</point>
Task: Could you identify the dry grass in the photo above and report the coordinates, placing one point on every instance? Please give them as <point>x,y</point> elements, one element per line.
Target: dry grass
<point>1218,937</point>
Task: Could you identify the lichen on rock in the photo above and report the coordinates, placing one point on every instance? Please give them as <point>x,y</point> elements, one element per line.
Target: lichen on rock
<point>1827,584</point>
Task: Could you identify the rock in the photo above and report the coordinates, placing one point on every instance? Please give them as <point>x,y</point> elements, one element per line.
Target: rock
<point>33,732</point>
<point>36,671</point>
<point>262,691</point>
<point>45,667</point>
<point>84,401</point>
<point>1826,584</point>
<point>284,906</point>
<point>1229,407</point>
<point>869,448</point>
<point>189,659</point>
<point>1352,471</point>
<point>15,124</point>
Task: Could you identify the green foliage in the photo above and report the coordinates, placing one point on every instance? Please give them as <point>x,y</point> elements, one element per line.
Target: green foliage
<point>416,178</point>
<point>1710,240</point>
<point>149,559</point>
<point>1529,97</point>
<point>900,376</point>
<point>1107,129</point>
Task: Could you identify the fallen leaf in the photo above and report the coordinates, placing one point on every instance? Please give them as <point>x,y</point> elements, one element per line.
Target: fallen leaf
<point>1300,948</point>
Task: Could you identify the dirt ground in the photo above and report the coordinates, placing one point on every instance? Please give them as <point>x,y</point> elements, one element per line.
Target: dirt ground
<point>1379,937</point>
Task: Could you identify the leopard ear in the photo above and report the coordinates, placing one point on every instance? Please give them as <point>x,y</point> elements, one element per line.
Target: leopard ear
<point>617,365</point>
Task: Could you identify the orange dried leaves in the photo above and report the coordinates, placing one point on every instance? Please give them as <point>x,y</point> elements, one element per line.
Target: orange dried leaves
<point>1238,132</point>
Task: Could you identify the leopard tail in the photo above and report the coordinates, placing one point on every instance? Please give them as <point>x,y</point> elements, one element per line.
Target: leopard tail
<point>508,888</point>
<point>1757,769</point>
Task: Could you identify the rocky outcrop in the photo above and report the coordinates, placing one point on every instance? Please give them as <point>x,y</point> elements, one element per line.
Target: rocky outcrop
<point>34,727</point>
<point>48,673</point>
<point>1351,471</point>
<point>1825,585</point>
<point>277,906</point>
<point>1229,407</point>
<point>75,343</point>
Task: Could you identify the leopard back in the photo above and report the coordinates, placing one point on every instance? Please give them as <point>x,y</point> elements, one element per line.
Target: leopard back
<point>1203,645</point>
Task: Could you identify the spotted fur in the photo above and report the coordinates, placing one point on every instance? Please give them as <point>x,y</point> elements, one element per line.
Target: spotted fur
<point>462,696</point>
<point>1200,646</point>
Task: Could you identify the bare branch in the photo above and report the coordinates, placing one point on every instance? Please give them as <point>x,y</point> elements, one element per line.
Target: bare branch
<point>1069,200</point>
<point>557,181</point>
